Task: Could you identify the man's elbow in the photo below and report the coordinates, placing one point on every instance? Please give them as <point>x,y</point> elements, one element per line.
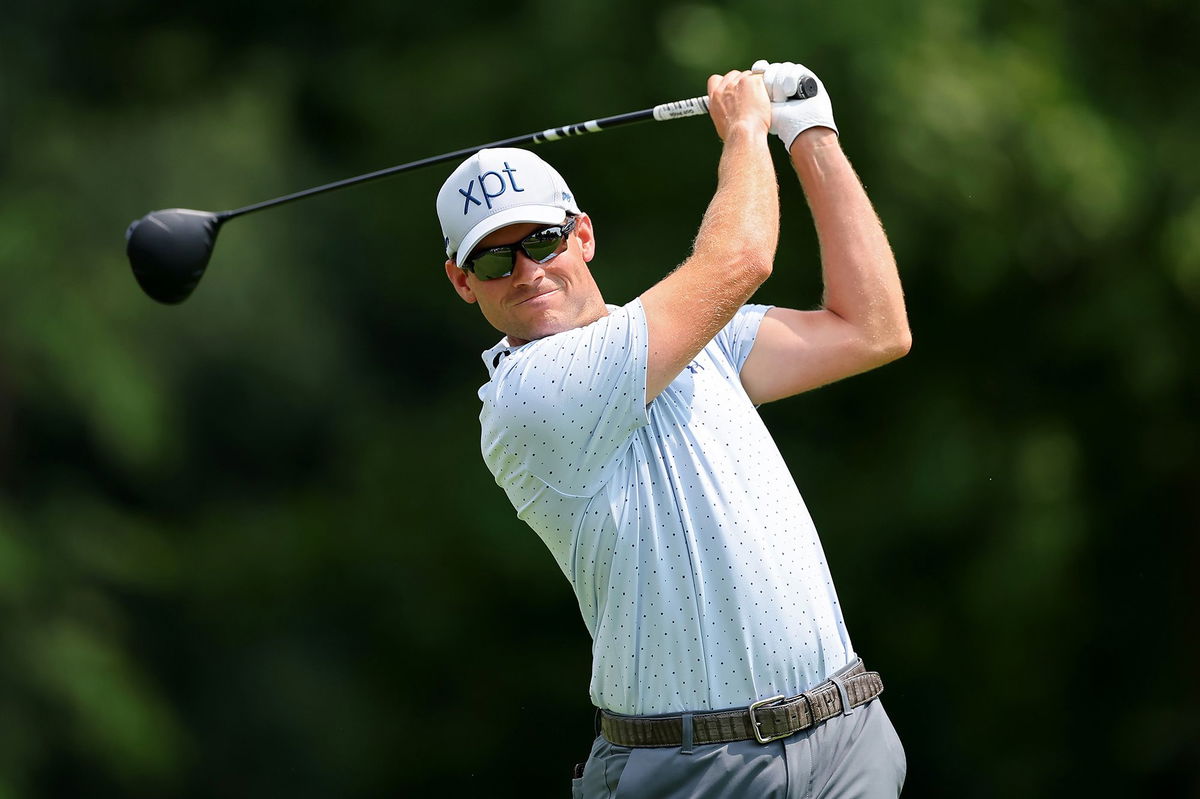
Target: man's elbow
<point>895,346</point>
<point>755,264</point>
<point>885,344</point>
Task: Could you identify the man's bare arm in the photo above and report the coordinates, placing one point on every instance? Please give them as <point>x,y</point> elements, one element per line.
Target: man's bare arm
<point>735,247</point>
<point>862,323</point>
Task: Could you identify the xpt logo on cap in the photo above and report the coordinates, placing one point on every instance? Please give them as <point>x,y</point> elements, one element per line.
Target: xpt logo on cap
<point>488,195</point>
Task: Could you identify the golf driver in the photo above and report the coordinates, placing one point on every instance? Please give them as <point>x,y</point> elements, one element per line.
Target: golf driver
<point>170,249</point>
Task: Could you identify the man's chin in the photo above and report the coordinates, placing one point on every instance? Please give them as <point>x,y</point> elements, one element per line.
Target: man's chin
<point>550,326</point>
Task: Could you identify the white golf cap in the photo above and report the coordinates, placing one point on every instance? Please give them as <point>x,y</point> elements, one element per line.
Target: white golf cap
<point>496,188</point>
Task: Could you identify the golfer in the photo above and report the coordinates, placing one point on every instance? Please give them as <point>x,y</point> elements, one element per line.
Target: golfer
<point>627,438</point>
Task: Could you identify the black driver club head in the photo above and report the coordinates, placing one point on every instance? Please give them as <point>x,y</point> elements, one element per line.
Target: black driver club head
<point>169,250</point>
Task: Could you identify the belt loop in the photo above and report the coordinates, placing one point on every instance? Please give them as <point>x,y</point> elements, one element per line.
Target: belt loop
<point>688,735</point>
<point>840,682</point>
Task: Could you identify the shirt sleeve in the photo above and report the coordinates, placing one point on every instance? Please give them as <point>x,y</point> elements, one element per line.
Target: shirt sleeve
<point>563,408</point>
<point>736,339</point>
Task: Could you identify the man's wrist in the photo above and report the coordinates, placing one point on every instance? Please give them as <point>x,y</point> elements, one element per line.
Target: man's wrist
<point>812,139</point>
<point>749,130</point>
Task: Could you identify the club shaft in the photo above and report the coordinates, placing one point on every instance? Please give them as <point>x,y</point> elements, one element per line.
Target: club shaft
<point>696,106</point>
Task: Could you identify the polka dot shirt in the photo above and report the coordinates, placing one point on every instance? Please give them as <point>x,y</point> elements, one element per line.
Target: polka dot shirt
<point>697,568</point>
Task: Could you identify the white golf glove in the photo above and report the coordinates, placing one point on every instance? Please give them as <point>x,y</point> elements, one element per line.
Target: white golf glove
<point>790,118</point>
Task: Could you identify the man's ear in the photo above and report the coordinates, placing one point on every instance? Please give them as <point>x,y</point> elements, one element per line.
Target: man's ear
<point>587,236</point>
<point>458,278</point>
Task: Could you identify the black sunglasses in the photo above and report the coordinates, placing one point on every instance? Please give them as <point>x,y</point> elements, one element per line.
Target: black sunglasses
<point>540,246</point>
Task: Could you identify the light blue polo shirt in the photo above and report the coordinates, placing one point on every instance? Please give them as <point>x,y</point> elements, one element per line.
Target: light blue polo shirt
<point>696,565</point>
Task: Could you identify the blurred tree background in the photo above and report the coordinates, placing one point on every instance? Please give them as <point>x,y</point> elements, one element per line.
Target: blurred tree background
<point>248,546</point>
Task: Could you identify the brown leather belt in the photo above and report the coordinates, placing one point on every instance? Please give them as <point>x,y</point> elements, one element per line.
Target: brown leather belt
<point>764,721</point>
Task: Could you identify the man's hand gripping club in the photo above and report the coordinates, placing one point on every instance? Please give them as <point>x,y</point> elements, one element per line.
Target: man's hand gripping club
<point>790,118</point>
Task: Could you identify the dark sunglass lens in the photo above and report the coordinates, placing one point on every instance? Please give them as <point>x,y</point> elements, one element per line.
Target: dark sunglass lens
<point>491,265</point>
<point>542,245</point>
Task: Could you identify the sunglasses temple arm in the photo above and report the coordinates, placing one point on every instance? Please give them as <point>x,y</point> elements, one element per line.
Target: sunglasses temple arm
<point>696,106</point>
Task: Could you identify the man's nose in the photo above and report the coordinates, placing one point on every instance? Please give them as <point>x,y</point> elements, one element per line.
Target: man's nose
<point>526,271</point>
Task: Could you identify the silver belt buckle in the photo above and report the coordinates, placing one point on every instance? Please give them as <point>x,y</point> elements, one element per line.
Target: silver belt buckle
<point>755,724</point>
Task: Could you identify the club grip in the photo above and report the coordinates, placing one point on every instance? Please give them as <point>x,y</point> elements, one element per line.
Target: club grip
<point>696,106</point>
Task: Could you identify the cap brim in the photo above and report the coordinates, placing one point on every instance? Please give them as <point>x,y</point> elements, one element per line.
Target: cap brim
<point>525,214</point>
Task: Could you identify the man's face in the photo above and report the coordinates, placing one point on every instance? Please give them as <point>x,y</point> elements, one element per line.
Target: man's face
<point>536,300</point>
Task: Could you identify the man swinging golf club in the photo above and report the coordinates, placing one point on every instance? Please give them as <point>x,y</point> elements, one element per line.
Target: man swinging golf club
<point>627,438</point>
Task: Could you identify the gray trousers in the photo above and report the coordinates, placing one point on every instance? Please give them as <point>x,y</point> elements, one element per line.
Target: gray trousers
<point>854,756</point>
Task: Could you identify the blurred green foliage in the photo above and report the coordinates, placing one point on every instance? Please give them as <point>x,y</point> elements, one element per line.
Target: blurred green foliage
<point>248,546</point>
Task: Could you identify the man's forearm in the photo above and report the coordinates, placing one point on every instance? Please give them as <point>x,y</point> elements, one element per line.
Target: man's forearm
<point>742,220</point>
<point>862,284</point>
